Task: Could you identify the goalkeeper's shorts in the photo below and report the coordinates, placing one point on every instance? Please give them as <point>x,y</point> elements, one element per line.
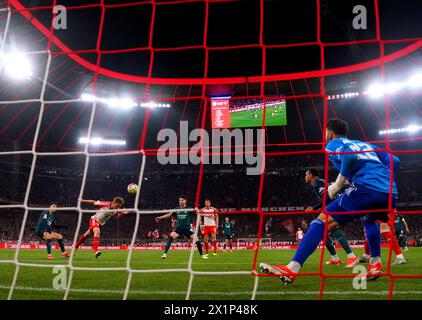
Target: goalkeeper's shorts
<point>358,198</point>
<point>228,237</point>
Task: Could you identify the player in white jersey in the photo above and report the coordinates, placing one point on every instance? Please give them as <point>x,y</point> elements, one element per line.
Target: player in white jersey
<point>210,225</point>
<point>99,219</point>
<point>299,235</point>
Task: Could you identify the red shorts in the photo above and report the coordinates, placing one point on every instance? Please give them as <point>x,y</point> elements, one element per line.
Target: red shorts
<point>209,230</point>
<point>93,223</point>
<point>390,221</point>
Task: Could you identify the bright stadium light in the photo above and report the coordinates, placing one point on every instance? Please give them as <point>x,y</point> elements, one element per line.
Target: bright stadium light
<point>97,141</point>
<point>393,87</point>
<point>123,103</point>
<point>415,81</point>
<point>376,90</point>
<point>88,97</point>
<point>16,65</point>
<point>410,129</point>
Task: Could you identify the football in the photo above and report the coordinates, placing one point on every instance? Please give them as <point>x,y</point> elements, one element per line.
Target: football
<point>132,188</point>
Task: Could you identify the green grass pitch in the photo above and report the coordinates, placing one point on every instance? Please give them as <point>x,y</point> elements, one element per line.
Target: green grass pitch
<point>274,117</point>
<point>36,283</point>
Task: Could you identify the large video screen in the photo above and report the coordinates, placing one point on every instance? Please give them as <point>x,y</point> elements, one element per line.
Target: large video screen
<point>229,113</point>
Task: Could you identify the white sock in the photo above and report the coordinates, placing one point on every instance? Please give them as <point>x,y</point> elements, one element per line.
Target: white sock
<point>400,256</point>
<point>367,256</point>
<point>335,257</point>
<point>294,266</point>
<point>374,260</point>
<point>351,255</point>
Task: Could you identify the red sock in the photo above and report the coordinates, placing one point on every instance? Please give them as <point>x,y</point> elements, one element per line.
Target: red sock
<point>214,243</point>
<point>206,247</point>
<point>81,240</point>
<point>366,246</point>
<point>388,235</point>
<point>95,243</point>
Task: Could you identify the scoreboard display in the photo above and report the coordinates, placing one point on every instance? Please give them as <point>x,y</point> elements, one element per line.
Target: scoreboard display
<point>226,113</point>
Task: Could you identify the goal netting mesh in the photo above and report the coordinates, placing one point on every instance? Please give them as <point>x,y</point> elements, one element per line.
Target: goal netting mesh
<point>64,64</point>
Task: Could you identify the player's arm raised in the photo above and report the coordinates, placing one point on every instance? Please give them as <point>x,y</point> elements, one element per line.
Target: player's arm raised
<point>164,216</point>
<point>92,202</point>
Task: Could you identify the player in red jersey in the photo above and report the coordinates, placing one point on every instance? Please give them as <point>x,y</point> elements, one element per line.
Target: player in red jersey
<point>99,219</point>
<point>299,235</point>
<point>210,225</point>
<point>386,229</point>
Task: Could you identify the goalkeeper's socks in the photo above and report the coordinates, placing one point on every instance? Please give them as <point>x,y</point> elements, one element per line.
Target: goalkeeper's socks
<point>309,242</point>
<point>214,243</point>
<point>339,235</point>
<point>375,260</point>
<point>330,247</point>
<point>95,243</point>
<point>294,266</point>
<point>231,245</point>
<point>168,244</point>
<point>48,244</point>
<point>373,235</point>
<point>388,235</point>
<point>61,245</point>
<point>224,246</point>
<point>81,240</point>
<point>199,245</point>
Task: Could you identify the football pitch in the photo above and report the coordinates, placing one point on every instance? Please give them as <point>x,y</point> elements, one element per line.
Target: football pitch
<point>253,118</point>
<point>37,282</point>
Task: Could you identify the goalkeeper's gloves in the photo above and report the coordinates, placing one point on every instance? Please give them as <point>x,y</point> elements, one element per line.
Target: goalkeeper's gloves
<point>335,188</point>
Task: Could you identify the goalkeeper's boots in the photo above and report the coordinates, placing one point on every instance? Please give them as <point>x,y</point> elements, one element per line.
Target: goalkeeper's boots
<point>204,256</point>
<point>364,258</point>
<point>334,262</point>
<point>97,254</point>
<point>65,254</point>
<point>50,257</point>
<point>224,251</point>
<point>351,262</point>
<point>286,275</point>
<point>231,251</point>
<point>399,261</point>
<point>164,256</point>
<point>374,271</point>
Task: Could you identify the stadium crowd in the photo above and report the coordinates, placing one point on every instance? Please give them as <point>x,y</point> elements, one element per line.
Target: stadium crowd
<point>227,186</point>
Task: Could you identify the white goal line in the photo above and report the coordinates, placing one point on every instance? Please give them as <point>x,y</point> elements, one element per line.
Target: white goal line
<point>214,293</point>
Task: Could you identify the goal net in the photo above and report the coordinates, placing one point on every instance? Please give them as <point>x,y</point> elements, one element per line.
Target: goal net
<point>86,88</point>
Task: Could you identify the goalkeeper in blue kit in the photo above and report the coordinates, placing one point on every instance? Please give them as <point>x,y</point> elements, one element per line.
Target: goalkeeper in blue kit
<point>367,175</point>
